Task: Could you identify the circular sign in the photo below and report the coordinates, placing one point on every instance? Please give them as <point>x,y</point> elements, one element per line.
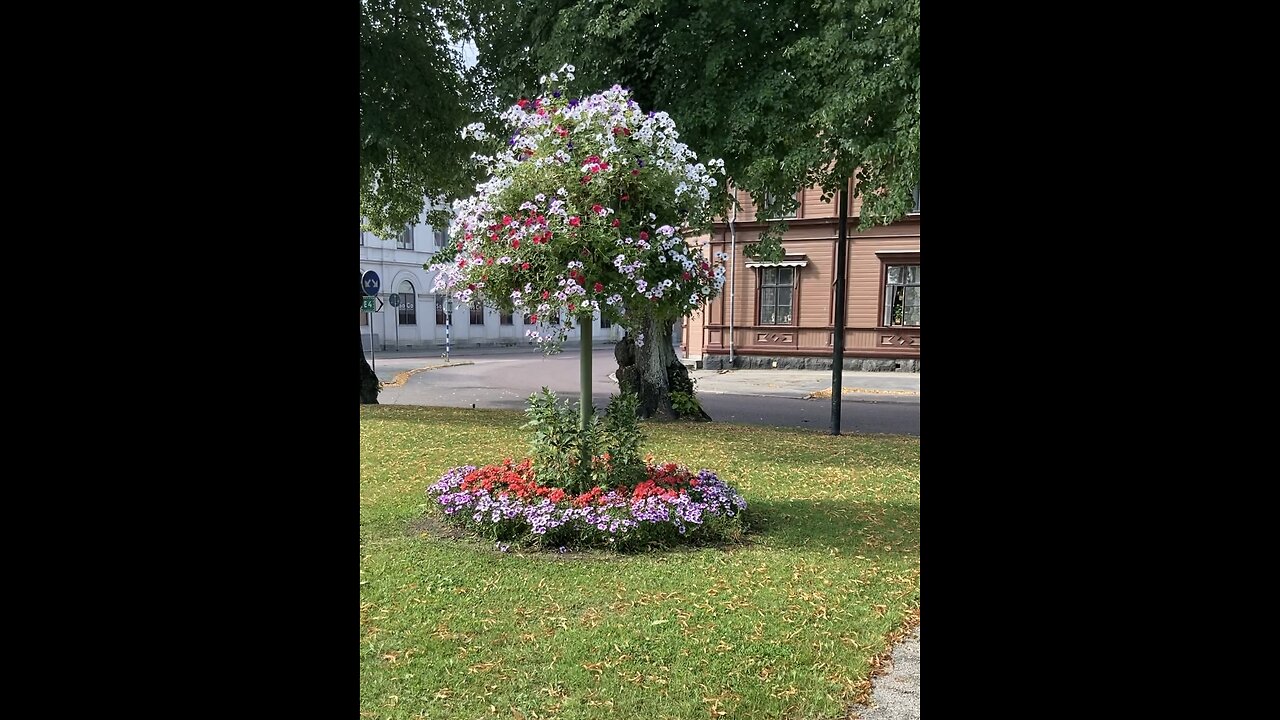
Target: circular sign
<point>394,299</point>
<point>370,283</point>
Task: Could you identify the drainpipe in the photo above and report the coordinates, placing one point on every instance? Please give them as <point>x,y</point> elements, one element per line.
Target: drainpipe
<point>733,273</point>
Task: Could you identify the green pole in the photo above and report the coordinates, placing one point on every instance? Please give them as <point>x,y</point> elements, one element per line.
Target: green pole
<point>584,449</point>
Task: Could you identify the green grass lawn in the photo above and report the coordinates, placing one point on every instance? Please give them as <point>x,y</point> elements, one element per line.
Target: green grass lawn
<point>787,624</point>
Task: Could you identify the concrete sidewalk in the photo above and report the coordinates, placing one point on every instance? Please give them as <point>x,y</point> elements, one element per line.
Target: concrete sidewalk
<point>896,694</point>
<point>899,387</point>
<point>815,385</point>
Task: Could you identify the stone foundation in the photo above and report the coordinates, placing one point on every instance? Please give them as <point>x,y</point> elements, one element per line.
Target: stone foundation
<point>745,362</point>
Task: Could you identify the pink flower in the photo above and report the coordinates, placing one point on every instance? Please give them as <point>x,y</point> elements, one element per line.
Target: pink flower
<point>574,221</point>
<point>644,235</point>
<point>598,287</point>
<point>597,209</point>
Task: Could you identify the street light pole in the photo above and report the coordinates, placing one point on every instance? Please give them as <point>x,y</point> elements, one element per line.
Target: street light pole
<point>841,298</point>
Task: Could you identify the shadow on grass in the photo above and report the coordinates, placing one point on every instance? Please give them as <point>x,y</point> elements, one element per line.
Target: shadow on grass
<point>870,529</point>
<point>867,528</point>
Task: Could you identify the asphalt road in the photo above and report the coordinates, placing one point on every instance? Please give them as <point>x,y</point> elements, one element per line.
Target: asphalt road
<point>501,380</point>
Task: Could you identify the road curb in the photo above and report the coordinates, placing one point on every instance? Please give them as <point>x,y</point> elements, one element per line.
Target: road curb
<point>403,377</point>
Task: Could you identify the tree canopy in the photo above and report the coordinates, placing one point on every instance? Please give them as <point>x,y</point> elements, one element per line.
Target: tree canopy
<point>789,93</point>
<point>414,100</point>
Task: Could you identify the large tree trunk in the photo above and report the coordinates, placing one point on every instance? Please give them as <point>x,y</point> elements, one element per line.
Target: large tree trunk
<point>369,386</point>
<point>652,370</point>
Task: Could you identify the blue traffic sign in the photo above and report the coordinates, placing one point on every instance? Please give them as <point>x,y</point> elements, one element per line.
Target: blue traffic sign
<point>370,283</point>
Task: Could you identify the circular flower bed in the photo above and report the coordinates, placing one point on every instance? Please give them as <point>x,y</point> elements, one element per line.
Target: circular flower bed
<point>672,504</point>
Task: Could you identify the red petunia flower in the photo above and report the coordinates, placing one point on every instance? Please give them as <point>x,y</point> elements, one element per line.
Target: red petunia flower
<point>574,221</point>
<point>524,266</point>
<point>515,243</point>
<point>598,287</point>
<point>644,235</point>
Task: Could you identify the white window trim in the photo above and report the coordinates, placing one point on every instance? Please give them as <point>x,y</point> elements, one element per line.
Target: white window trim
<point>789,261</point>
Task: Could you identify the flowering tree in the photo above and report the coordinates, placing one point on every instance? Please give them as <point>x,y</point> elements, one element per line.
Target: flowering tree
<point>587,210</point>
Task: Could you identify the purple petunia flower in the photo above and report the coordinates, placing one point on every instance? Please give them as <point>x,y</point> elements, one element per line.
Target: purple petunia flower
<point>615,516</point>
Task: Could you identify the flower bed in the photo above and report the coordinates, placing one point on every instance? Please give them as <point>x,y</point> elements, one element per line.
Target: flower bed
<point>672,504</point>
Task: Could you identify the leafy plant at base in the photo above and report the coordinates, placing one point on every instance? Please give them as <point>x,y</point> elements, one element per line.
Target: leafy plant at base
<point>684,399</point>
<point>555,443</point>
<point>621,436</point>
<point>684,404</point>
<point>554,440</point>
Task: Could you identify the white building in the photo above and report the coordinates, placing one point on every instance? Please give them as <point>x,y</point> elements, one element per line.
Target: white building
<point>419,319</point>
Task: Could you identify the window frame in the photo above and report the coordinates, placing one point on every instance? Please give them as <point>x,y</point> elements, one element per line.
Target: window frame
<point>793,305</point>
<point>408,304</point>
<point>798,196</point>
<point>401,242</point>
<point>888,260</point>
<point>474,306</point>
<point>442,315</point>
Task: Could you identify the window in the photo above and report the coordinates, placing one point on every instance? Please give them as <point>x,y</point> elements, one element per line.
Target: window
<point>405,240</point>
<point>440,314</point>
<point>505,319</point>
<point>915,195</point>
<point>439,238</point>
<point>780,213</point>
<point>477,312</point>
<point>776,285</point>
<point>408,313</point>
<point>362,238</point>
<point>605,323</point>
<point>902,295</point>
